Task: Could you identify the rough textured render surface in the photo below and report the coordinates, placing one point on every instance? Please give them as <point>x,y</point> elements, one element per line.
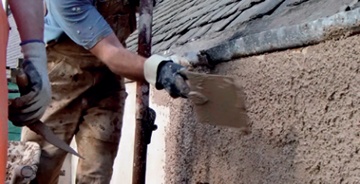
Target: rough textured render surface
<point>304,114</point>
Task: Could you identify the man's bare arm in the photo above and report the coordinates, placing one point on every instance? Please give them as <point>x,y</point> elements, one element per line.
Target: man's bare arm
<point>31,105</point>
<point>103,43</point>
<point>120,60</point>
<point>157,70</point>
<point>29,18</point>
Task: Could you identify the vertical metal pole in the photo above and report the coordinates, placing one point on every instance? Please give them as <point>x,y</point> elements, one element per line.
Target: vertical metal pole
<point>142,94</point>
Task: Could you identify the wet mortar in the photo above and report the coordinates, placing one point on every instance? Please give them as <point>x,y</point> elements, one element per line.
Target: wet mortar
<point>303,108</point>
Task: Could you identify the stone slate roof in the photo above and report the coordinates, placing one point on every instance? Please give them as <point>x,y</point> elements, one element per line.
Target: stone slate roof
<point>177,23</point>
<point>184,23</point>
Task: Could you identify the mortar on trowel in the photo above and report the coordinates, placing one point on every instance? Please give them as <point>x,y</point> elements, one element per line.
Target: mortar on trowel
<point>218,100</point>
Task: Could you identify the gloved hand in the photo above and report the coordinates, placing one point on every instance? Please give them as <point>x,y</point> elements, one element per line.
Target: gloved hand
<point>163,73</point>
<point>36,95</point>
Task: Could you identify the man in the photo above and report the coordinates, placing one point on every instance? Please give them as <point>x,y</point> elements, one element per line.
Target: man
<point>30,23</point>
<point>87,61</point>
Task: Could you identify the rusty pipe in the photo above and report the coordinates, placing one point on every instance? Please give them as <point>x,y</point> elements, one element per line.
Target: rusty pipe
<point>142,130</point>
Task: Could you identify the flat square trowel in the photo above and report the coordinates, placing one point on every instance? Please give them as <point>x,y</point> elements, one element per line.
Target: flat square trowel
<point>218,100</point>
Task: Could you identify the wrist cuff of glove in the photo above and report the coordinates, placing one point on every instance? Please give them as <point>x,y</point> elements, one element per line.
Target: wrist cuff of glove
<point>34,50</point>
<point>152,68</point>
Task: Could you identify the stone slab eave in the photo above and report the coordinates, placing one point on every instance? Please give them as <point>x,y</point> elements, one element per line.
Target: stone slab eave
<point>342,24</point>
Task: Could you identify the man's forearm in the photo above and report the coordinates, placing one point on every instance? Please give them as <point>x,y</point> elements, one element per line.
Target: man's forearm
<point>120,60</point>
<point>127,64</point>
<point>29,18</point>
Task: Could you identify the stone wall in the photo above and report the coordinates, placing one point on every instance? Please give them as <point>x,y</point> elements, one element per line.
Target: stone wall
<point>304,110</point>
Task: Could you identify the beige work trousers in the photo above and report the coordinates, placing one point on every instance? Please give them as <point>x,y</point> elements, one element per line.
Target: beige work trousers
<point>88,104</point>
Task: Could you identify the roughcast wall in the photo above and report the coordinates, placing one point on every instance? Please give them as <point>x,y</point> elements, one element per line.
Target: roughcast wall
<point>304,110</point>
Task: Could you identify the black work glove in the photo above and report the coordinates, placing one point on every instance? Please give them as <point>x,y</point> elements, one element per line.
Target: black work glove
<point>165,74</point>
<point>35,90</point>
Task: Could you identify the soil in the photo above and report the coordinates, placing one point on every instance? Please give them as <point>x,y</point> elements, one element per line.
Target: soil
<point>303,109</point>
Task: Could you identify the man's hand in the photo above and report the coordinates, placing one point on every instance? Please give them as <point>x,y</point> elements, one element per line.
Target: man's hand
<point>163,73</point>
<point>36,94</point>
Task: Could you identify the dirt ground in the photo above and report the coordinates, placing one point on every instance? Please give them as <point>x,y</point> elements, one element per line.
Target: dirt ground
<point>304,109</point>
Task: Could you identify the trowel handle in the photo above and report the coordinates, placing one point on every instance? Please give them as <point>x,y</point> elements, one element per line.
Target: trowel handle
<point>22,81</point>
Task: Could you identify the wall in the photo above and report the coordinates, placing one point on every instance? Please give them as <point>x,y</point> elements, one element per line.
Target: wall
<point>123,165</point>
<point>304,110</point>
<point>303,106</point>
<point>13,48</point>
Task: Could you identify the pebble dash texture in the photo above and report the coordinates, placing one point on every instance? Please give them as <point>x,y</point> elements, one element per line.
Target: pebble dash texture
<point>304,110</point>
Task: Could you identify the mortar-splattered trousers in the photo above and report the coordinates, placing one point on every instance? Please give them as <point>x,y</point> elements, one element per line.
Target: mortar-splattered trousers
<point>88,104</point>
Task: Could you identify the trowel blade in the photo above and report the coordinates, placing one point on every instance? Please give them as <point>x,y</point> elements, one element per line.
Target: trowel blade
<point>43,130</point>
<point>218,100</point>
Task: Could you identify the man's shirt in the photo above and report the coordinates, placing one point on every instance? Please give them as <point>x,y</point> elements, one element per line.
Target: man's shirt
<point>78,19</point>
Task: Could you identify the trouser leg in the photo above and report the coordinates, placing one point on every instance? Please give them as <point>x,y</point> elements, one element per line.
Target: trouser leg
<point>99,132</point>
<point>62,116</point>
<point>64,125</point>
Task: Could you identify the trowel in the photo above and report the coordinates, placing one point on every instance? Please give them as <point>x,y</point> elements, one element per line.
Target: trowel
<point>39,127</point>
<point>218,100</point>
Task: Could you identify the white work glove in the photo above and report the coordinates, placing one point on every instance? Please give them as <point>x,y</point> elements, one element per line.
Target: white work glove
<point>36,96</point>
<point>163,73</point>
